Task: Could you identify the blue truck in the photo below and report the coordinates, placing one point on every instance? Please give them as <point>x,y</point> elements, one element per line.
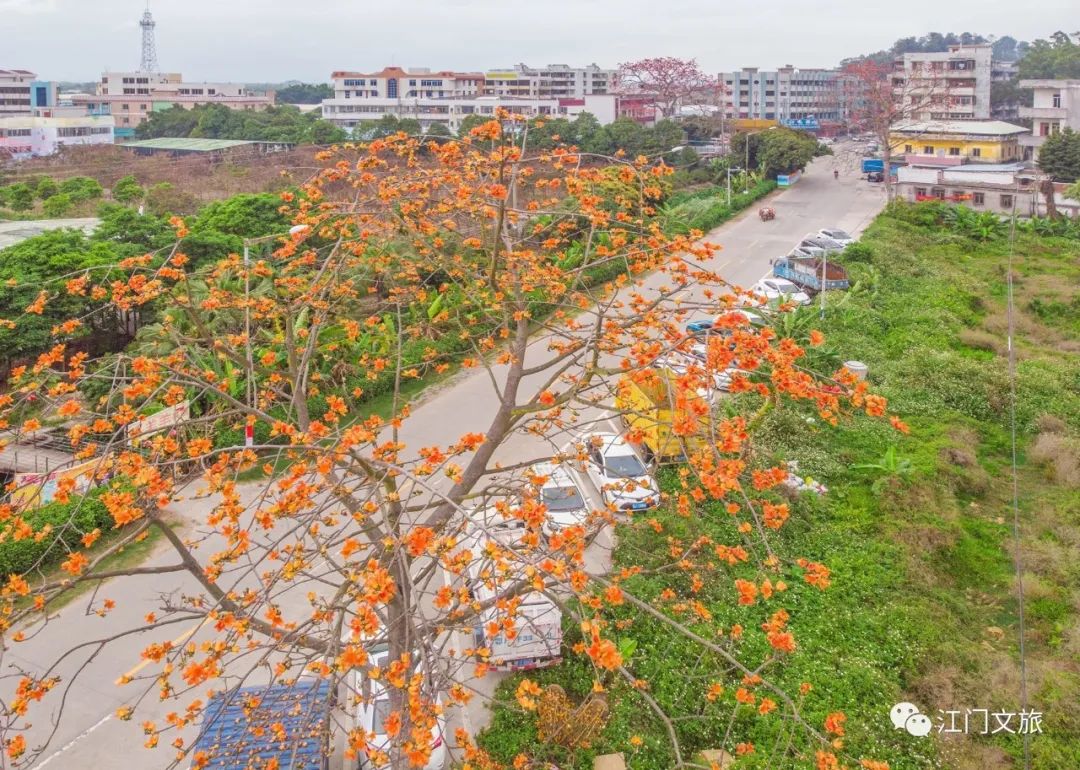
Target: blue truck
<point>807,273</point>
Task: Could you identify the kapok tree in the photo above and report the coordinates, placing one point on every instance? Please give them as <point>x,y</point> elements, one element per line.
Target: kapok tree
<point>881,99</point>
<point>668,79</point>
<point>548,280</point>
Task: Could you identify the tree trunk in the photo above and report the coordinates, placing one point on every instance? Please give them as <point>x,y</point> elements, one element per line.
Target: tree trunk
<point>1047,189</point>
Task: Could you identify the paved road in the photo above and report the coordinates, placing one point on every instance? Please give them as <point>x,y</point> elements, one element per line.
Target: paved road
<point>90,736</point>
<point>19,230</point>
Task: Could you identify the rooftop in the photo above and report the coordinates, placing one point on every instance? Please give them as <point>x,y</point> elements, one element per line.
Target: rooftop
<point>233,722</point>
<point>982,127</point>
<point>189,144</point>
<point>1051,83</point>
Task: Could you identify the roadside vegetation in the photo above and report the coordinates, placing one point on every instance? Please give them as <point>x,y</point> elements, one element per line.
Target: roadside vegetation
<point>915,530</point>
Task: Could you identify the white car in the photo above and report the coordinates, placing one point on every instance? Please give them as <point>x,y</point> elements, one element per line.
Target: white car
<point>489,522</point>
<point>840,236</point>
<point>821,242</point>
<point>780,290</point>
<point>620,475</point>
<point>807,250</point>
<point>372,712</point>
<point>566,506</point>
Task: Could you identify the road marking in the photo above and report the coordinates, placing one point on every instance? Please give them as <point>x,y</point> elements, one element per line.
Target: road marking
<point>73,741</point>
<point>175,643</point>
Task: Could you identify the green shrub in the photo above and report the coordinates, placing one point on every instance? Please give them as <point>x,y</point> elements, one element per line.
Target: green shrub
<point>127,189</point>
<point>68,523</point>
<point>81,188</point>
<point>57,205</point>
<point>46,188</point>
<point>19,197</point>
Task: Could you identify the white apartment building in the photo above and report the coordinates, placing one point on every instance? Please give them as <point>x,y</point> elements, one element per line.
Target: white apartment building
<point>415,83</point>
<point>1055,106</point>
<point>554,80</point>
<point>791,96</point>
<point>447,98</point>
<point>28,136</point>
<point>947,85</point>
<point>451,111</point>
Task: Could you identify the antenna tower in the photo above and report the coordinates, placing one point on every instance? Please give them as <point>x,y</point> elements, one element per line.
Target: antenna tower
<point>149,50</point>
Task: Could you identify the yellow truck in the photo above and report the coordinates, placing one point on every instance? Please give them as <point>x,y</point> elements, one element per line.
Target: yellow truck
<point>648,408</point>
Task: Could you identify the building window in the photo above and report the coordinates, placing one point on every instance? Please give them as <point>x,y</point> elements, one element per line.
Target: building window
<point>920,192</point>
<point>954,151</point>
<point>391,88</point>
<point>1056,100</point>
<point>978,199</point>
<point>938,192</point>
<point>908,148</point>
<point>976,152</point>
<point>1006,201</point>
<point>928,150</point>
<point>1044,129</point>
<point>125,107</point>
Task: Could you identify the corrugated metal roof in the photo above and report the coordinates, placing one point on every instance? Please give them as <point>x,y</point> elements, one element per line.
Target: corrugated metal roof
<point>978,127</point>
<point>238,727</point>
<point>189,144</point>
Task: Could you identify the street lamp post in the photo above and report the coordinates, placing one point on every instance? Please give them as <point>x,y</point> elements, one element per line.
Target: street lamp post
<point>729,170</point>
<point>249,432</point>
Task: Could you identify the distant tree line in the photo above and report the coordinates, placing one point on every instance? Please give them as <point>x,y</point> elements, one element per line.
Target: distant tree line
<point>283,123</point>
<point>303,93</point>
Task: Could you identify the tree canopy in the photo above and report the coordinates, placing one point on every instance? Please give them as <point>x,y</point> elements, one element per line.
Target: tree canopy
<point>558,291</point>
<point>281,123</point>
<point>1059,156</point>
<point>1056,58</point>
<point>304,93</point>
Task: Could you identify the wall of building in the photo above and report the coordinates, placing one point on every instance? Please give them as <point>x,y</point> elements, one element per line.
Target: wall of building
<point>786,95</point>
<point>36,136</point>
<point>968,149</point>
<point>15,92</point>
<point>950,85</point>
<point>1055,106</point>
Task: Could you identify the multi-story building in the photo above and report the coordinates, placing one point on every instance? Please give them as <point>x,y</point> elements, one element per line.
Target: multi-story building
<point>953,142</point>
<point>130,97</point>
<point>447,98</point>
<point>945,85</point>
<point>32,135</point>
<point>1055,106</point>
<point>803,98</point>
<point>21,93</point>
<point>554,80</point>
<point>998,188</point>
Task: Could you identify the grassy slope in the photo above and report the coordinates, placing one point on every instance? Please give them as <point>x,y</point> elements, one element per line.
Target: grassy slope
<point>923,604</point>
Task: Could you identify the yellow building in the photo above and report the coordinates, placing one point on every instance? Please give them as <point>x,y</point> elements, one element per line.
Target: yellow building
<point>962,141</point>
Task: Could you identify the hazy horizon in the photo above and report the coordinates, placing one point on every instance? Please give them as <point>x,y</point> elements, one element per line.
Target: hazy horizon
<point>268,41</point>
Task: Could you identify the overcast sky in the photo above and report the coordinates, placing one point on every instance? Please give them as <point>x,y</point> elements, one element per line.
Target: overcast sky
<point>275,40</point>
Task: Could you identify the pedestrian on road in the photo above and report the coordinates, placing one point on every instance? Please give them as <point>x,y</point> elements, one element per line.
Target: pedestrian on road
<point>836,173</point>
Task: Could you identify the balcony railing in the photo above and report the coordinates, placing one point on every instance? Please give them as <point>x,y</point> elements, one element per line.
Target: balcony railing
<point>1051,113</point>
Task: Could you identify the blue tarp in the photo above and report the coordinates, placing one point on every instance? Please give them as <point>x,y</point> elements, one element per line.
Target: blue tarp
<point>239,733</point>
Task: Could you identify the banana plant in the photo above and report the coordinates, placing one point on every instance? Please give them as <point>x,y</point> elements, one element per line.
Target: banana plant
<point>888,467</point>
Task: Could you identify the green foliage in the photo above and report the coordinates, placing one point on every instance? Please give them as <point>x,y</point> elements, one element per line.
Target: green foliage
<point>67,523</point>
<point>1059,156</point>
<point>82,188</point>
<point>282,123</point>
<point>890,466</point>
<point>304,93</point>
<point>46,187</point>
<point>127,189</point>
<point>708,209</point>
<point>1056,58</point>
<point>30,264</point>
<point>981,225</point>
<point>57,205</point>
<point>438,130</point>
<point>19,197</point>
<point>387,125</point>
<point>776,150</point>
